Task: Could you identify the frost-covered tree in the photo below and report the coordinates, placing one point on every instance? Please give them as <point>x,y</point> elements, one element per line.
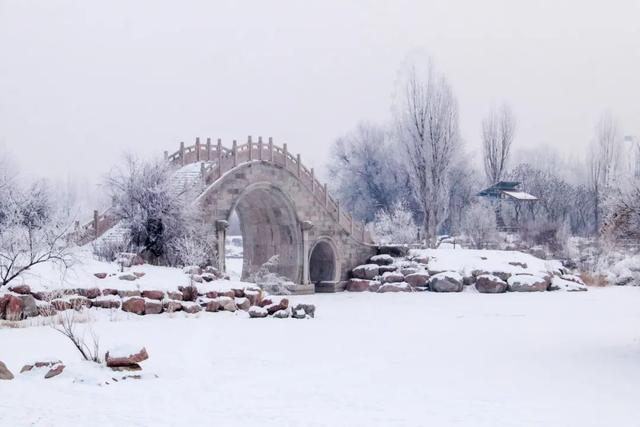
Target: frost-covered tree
<point>160,217</point>
<point>366,172</point>
<point>31,230</point>
<point>498,130</point>
<point>395,226</point>
<point>623,219</point>
<point>479,224</point>
<point>427,125</point>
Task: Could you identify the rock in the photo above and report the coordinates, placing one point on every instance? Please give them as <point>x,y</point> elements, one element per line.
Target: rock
<point>29,306</point>
<point>309,309</point>
<point>298,314</point>
<point>21,289</point>
<point>107,303</point>
<point>624,280</point>
<point>192,269</point>
<point>90,293</point>
<point>374,285</point>
<point>282,314</point>
<point>256,312</point>
<point>573,278</point>
<point>55,371</point>
<point>129,294</point>
<point>26,368</point>
<point>227,304</point>
<point>469,280</point>
<point>12,307</point>
<point>128,276</point>
<point>489,284</point>
<point>152,307</point>
<point>381,259</point>
<point>133,305</point>
<point>447,281</point>
<point>108,291</point>
<point>282,305</point>
<point>117,357</point>
<point>230,294</point>
<point>527,283</point>
<point>156,295</point>
<point>196,278</point>
<point>387,268</point>
<point>172,306</point>
<point>5,373</point>
<point>78,303</point>
<point>365,271</point>
<point>417,279</point>
<point>212,306</point>
<point>61,305</point>
<point>358,285</point>
<point>392,277</point>
<point>243,303</point>
<point>211,294</point>
<point>253,296</point>
<point>394,287</point>
<point>128,368</point>
<point>100,275</point>
<point>265,302</point>
<point>208,277</point>
<point>421,259</point>
<point>175,295</point>
<point>394,250</point>
<point>561,284</point>
<point>238,293</point>
<point>409,270</point>
<point>191,307</point>
<point>139,274</point>
<point>189,293</point>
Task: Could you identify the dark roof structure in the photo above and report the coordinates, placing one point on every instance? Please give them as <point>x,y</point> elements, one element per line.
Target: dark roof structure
<point>507,190</point>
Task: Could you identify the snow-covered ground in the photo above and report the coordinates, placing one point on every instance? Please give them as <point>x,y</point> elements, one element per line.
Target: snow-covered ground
<point>407,359</point>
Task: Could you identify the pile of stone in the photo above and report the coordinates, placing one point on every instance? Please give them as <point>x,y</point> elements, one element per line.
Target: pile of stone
<point>406,273</point>
<point>48,369</point>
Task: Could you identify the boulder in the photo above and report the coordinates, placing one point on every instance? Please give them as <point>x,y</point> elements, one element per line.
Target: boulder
<point>503,275</point>
<point>211,294</point>
<point>489,284</point>
<point>100,275</point>
<point>108,291</point>
<point>374,285</point>
<point>243,303</point>
<point>394,287</point>
<point>561,284</point>
<point>256,312</point>
<point>392,277</point>
<point>358,285</point>
<point>11,307</point>
<point>365,271</point>
<point>408,270</point>
<point>192,269</point>
<point>309,309</point>
<point>527,283</point>
<point>107,303</point>
<point>446,282</point>
<point>55,371</point>
<point>381,259</point>
<point>125,357</point>
<point>171,306</point>
<point>227,303</point>
<point>212,306</point>
<point>421,259</point>
<point>29,306</point>
<point>253,296</point>
<point>417,279</point>
<point>282,314</point>
<point>139,274</point>
<point>152,307</point>
<point>573,278</point>
<point>90,293</point>
<point>20,289</point>
<point>208,277</point>
<point>129,294</point>
<point>175,295</point>
<point>298,314</point>
<point>191,307</point>
<point>282,305</point>
<point>133,305</point>
<point>387,269</point>
<point>238,293</point>
<point>5,373</point>
<point>127,276</point>
<point>265,302</point>
<point>156,295</point>
<point>196,278</point>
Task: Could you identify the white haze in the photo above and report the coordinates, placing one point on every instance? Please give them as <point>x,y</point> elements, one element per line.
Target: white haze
<point>81,82</point>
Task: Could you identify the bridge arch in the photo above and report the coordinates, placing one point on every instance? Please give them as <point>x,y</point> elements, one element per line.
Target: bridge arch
<point>324,261</point>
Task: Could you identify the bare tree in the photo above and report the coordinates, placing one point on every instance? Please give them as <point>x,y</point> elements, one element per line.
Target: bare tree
<point>603,160</point>
<point>427,122</point>
<point>498,130</point>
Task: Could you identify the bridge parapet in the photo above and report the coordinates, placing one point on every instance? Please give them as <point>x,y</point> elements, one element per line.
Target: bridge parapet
<point>220,160</point>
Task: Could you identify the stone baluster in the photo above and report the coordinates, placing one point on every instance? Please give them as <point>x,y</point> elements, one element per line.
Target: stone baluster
<point>284,153</point>
<point>250,145</point>
<point>219,149</point>
<point>234,153</point>
<point>326,196</point>
<point>182,159</point>
<point>259,148</point>
<point>299,165</point>
<point>166,156</point>
<point>95,224</point>
<point>271,149</point>
<point>313,182</point>
<point>208,149</point>
<point>197,149</point>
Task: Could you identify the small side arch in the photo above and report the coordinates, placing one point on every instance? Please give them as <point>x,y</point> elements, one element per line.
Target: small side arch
<point>324,261</point>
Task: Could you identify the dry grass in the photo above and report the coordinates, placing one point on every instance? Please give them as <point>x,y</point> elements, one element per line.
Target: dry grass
<point>592,279</point>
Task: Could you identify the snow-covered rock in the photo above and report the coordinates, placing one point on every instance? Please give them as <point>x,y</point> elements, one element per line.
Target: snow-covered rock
<point>417,279</point>
<point>394,287</point>
<point>5,373</point>
<point>257,312</point>
<point>527,283</point>
<point>365,271</point>
<point>392,277</point>
<point>490,284</point>
<point>383,259</point>
<point>448,281</point>
<point>358,285</point>
<point>560,284</point>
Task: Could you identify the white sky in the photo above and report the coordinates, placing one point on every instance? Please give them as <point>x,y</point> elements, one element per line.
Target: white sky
<point>83,81</point>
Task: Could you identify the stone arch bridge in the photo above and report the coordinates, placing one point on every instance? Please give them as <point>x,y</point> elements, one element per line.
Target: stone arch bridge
<point>283,210</point>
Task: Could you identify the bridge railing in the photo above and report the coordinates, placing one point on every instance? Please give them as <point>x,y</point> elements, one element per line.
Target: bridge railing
<point>221,160</point>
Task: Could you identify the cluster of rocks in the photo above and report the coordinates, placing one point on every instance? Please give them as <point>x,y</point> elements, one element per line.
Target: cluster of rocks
<point>48,369</point>
<point>385,273</point>
<point>21,303</point>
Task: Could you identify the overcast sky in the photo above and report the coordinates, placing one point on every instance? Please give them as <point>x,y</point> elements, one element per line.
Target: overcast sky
<point>83,81</point>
